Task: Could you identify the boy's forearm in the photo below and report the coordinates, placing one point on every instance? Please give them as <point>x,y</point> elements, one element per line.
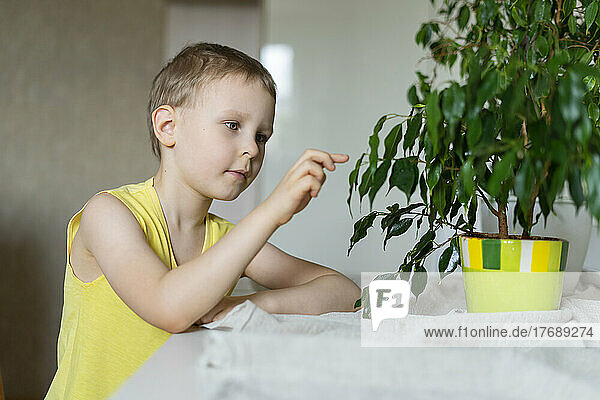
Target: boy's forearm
<point>324,294</point>
<point>193,288</point>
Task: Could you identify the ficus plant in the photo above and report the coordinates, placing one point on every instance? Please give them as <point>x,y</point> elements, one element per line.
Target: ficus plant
<point>521,119</point>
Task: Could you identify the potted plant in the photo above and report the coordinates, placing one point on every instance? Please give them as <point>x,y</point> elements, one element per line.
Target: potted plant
<point>521,119</point>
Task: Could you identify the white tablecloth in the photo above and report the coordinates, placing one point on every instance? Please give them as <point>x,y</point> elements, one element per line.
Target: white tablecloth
<point>251,354</point>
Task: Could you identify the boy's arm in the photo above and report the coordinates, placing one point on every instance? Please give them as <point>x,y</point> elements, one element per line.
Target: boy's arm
<point>174,299</point>
<point>169,299</point>
<point>299,286</point>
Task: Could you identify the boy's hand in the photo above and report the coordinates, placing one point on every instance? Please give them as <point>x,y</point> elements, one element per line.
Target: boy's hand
<point>222,308</point>
<point>302,182</point>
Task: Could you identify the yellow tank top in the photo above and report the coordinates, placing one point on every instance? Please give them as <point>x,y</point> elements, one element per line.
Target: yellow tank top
<point>102,341</point>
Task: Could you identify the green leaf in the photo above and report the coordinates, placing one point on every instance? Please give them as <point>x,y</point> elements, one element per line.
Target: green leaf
<point>404,176</point>
<point>519,16</point>
<point>396,214</point>
<point>570,91</point>
<point>434,172</point>
<point>593,111</point>
<point>591,177</point>
<point>366,314</point>
<point>379,125</point>
<point>397,229</point>
<point>424,35</point>
<point>575,188</point>
<point>542,45</point>
<point>378,179</point>
<point>474,132</point>
<point>523,186</point>
<point>572,23</point>
<point>412,131</point>
<point>472,211</point>
<point>486,11</point>
<point>590,15</point>
<point>453,103</point>
<point>418,281</point>
<point>360,229</point>
<point>393,208</point>
<point>568,6</point>
<point>582,131</point>
<point>412,97</point>
<point>391,141</point>
<point>468,173</point>
<point>423,189</point>
<point>374,143</point>
<point>454,209</point>
<point>434,116</point>
<point>423,246</point>
<point>587,56</point>
<point>502,170</point>
<point>541,10</point>
<point>352,180</point>
<point>365,183</point>
<point>463,17</point>
<point>373,157</point>
<point>557,180</point>
<point>488,88</point>
<point>438,195</point>
<point>542,85</point>
<point>448,261</point>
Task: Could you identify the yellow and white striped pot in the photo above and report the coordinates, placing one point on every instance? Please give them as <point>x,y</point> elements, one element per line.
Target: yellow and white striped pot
<point>502,275</point>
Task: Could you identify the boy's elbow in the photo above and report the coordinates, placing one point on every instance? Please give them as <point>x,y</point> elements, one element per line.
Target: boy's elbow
<point>176,322</point>
<point>169,313</point>
<point>175,329</point>
<point>173,325</point>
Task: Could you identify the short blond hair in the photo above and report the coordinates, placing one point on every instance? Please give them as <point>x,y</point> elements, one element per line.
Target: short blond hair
<point>181,80</point>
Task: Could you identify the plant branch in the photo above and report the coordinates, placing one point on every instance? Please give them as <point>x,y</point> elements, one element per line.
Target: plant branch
<point>487,203</point>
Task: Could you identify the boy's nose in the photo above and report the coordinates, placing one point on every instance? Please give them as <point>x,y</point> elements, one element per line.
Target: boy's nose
<point>251,148</point>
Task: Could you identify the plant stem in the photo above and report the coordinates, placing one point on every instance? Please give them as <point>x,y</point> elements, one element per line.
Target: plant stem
<point>487,203</point>
<point>502,223</point>
<point>534,194</point>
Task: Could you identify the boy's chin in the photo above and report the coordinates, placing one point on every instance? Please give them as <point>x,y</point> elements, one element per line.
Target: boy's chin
<point>227,196</point>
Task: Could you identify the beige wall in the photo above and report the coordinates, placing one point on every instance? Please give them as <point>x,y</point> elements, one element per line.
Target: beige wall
<point>74,77</point>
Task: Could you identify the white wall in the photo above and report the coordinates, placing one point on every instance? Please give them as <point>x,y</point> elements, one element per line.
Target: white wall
<point>353,61</point>
<point>339,66</point>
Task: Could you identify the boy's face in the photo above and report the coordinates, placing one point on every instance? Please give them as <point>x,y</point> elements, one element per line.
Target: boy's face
<point>226,131</point>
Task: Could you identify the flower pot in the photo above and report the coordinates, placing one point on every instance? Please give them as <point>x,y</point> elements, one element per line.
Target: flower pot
<point>568,224</point>
<point>502,275</point>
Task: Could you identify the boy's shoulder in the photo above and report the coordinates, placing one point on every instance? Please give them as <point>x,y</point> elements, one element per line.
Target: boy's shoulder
<point>137,197</point>
<point>220,226</point>
<point>131,188</point>
<point>130,202</point>
<point>220,220</point>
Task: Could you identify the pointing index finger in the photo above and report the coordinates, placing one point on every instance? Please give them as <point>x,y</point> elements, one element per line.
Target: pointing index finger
<point>339,157</point>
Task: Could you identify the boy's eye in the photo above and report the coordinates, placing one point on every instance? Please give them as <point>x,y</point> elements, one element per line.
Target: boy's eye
<point>261,138</point>
<point>230,124</point>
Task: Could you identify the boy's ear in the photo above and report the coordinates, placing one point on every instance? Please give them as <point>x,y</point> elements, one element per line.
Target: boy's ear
<point>163,120</point>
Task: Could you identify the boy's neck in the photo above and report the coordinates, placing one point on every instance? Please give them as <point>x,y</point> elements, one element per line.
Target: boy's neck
<point>184,209</point>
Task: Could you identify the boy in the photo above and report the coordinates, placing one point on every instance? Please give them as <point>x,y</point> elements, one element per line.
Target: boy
<point>147,260</point>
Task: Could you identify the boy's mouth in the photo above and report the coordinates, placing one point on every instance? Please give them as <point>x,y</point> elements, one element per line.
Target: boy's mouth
<point>241,174</point>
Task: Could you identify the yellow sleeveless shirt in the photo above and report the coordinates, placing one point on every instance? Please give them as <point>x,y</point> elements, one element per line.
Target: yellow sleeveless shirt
<point>102,341</point>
